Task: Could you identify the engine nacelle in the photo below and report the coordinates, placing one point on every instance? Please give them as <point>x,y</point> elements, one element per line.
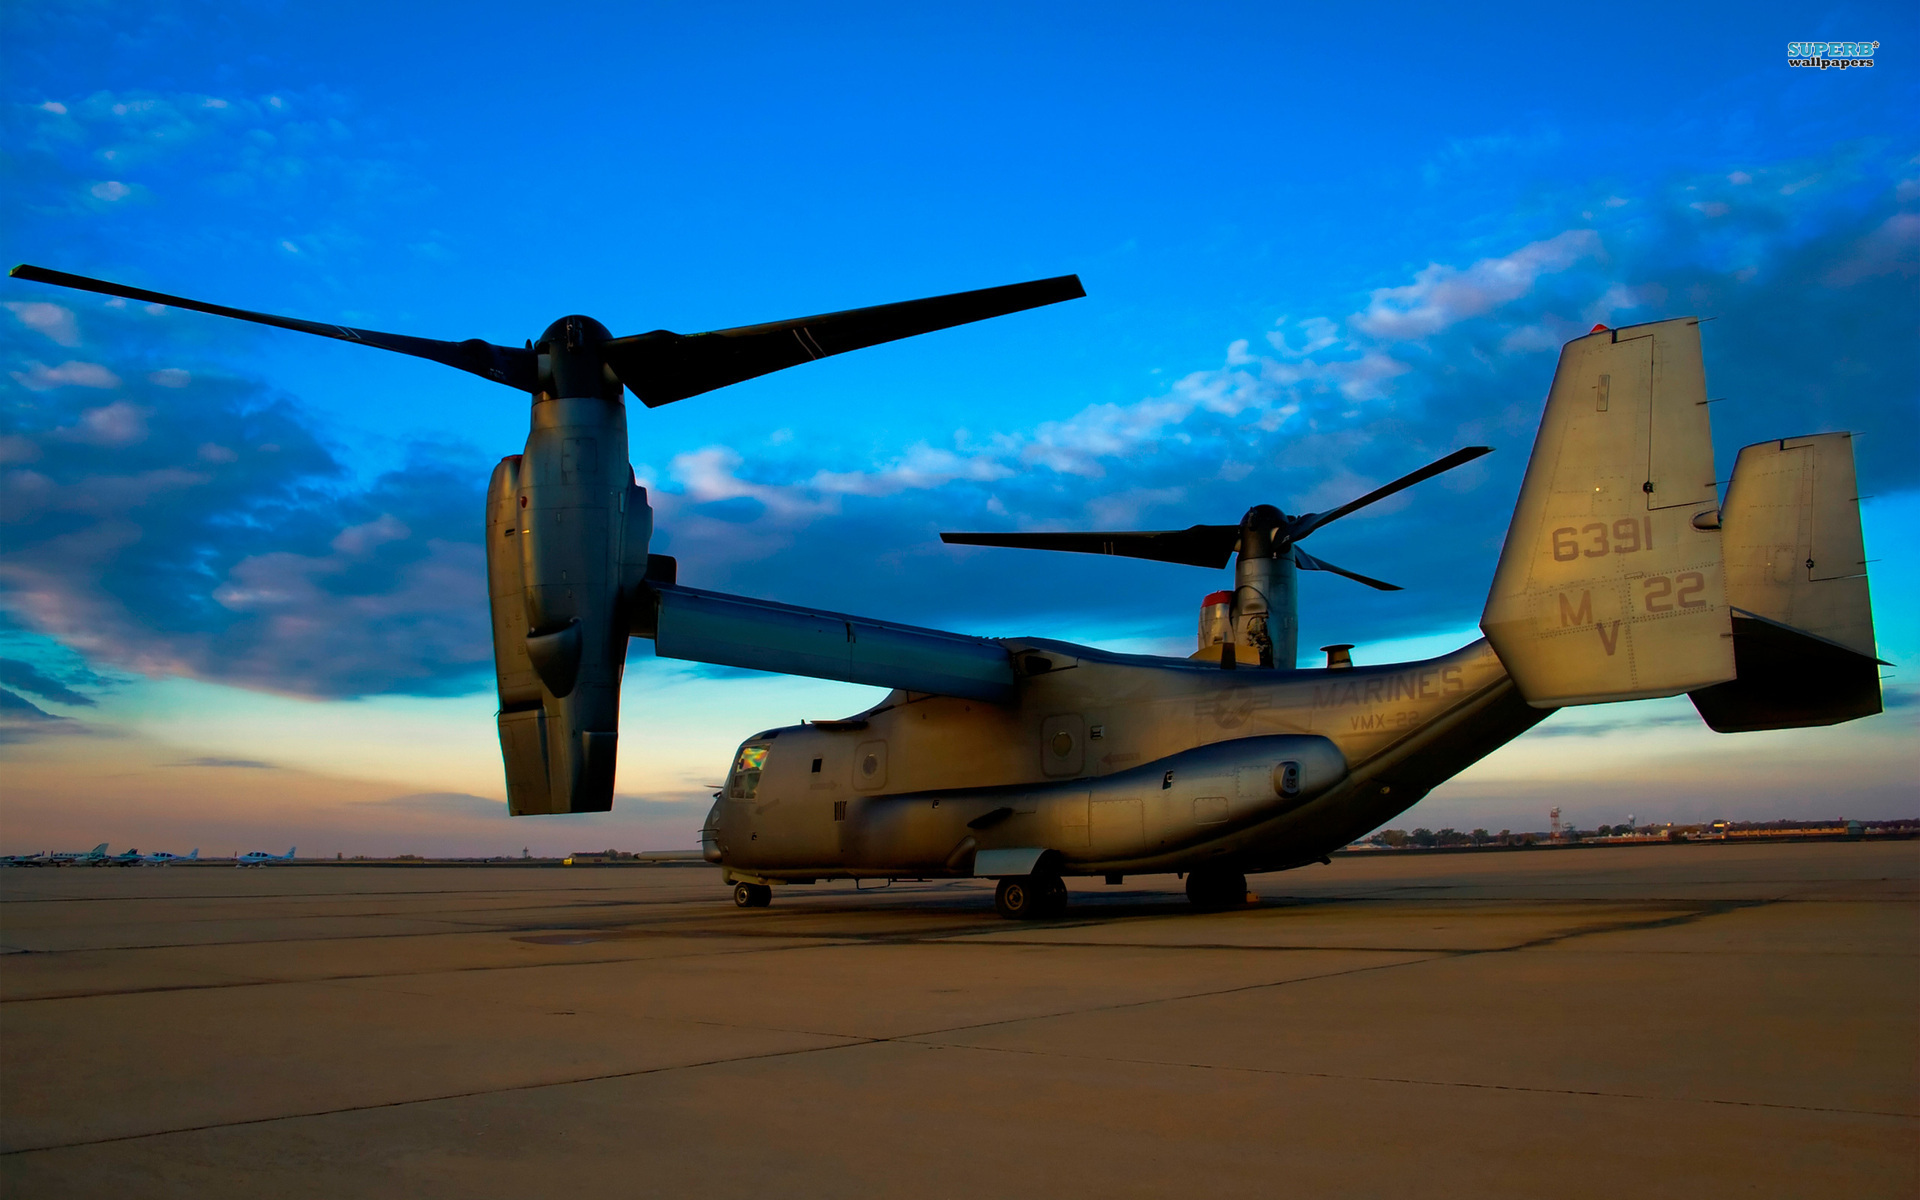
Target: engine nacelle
<point>567,535</point>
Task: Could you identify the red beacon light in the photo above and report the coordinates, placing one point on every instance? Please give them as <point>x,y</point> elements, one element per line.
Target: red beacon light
<point>1597,329</point>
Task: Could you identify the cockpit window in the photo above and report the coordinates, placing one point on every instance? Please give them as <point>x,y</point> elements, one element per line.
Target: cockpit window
<point>746,772</point>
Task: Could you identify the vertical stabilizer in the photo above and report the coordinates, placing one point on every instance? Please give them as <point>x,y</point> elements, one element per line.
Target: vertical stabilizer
<point>1791,526</point>
<point>1606,588</point>
<point>1797,584</point>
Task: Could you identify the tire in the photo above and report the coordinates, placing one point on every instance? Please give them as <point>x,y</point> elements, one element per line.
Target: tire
<point>752,895</point>
<point>1213,889</point>
<point>1017,899</point>
<point>1053,898</point>
<point>1030,897</point>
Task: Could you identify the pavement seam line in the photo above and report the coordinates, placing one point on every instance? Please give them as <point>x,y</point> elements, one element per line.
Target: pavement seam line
<point>845,1042</point>
<point>1441,1083</point>
<point>829,941</point>
<point>850,1042</point>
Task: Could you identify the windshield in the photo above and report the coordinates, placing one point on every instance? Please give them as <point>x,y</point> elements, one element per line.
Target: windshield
<point>746,772</point>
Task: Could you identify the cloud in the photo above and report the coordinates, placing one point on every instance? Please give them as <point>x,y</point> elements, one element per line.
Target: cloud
<point>448,804</point>
<point>253,764</point>
<point>117,424</point>
<point>1603,728</point>
<point>1441,296</point>
<point>39,377</point>
<point>20,708</point>
<point>52,320</point>
<point>22,721</point>
<point>213,535</point>
<point>28,678</point>
<point>1811,290</point>
<point>209,531</point>
<point>177,155</point>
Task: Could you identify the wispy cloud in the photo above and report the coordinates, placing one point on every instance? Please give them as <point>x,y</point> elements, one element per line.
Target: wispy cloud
<point>52,320</point>
<point>1441,296</point>
<point>39,377</point>
<point>1603,728</point>
<point>248,764</point>
<point>205,530</point>
<point>26,677</point>
<point>449,804</point>
<point>23,721</point>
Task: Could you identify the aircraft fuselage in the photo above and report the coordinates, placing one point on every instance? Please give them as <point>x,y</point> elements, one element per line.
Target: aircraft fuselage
<point>1110,764</point>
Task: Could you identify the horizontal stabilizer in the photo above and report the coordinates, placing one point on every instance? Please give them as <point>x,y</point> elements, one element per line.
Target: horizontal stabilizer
<point>1607,588</point>
<point>734,631</point>
<point>1789,679</point>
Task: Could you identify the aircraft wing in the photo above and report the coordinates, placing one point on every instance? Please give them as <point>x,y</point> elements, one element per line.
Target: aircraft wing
<point>736,631</point>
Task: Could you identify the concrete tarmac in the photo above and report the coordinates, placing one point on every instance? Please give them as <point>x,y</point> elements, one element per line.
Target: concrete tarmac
<point>1677,1021</point>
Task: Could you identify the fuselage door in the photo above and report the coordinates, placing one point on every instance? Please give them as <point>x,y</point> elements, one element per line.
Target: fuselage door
<point>1254,788</point>
<point>1118,826</point>
<point>1071,813</point>
<point>1063,745</point>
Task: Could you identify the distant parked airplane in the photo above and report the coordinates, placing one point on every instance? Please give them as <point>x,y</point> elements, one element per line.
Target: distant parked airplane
<point>23,860</point>
<point>161,858</point>
<point>126,858</point>
<point>78,857</point>
<point>260,858</point>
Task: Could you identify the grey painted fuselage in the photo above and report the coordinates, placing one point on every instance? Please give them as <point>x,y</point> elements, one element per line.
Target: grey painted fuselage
<point>1111,764</point>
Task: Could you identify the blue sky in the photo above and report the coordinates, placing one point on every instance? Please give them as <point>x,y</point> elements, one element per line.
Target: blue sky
<point>1320,250</point>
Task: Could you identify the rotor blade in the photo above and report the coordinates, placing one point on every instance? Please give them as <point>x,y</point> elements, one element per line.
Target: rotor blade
<point>1307,562</point>
<point>502,364</point>
<point>1306,524</point>
<point>1198,546</point>
<point>662,366</point>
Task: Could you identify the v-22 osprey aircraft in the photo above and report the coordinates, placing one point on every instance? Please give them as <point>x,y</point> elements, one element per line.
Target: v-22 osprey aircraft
<point>1624,576</point>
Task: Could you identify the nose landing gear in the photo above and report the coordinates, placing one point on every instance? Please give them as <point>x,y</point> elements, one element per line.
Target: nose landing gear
<point>1030,897</point>
<point>752,895</point>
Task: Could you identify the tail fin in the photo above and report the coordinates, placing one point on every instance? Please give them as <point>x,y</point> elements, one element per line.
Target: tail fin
<point>1607,589</point>
<point>1797,581</point>
<point>195,856</point>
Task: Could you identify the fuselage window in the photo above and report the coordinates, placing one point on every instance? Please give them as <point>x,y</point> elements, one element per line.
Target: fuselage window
<point>746,772</point>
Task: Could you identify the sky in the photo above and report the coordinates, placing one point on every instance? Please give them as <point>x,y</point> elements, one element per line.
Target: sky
<point>242,594</point>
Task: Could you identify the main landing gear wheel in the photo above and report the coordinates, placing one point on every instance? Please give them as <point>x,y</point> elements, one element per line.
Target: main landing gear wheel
<point>1028,897</point>
<point>752,895</point>
<point>1213,889</point>
<point>1054,899</point>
